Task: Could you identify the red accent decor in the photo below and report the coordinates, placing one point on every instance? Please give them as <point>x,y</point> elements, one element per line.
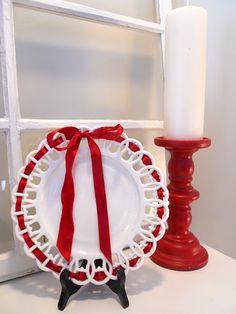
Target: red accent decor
<point>66,229</point>
<point>179,249</point>
<point>21,222</point>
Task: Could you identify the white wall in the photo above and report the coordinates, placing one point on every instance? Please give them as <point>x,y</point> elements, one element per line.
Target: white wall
<point>214,215</point>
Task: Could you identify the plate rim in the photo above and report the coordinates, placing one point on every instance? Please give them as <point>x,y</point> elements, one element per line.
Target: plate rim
<point>99,275</point>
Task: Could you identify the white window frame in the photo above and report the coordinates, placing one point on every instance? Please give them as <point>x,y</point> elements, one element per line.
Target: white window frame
<point>15,263</point>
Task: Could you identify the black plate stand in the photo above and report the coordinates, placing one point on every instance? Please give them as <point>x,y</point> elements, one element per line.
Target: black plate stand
<point>68,288</point>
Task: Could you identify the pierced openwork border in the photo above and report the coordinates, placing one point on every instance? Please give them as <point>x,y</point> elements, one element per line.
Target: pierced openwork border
<point>98,271</point>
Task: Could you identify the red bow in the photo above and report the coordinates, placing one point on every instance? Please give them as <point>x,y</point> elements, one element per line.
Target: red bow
<point>66,229</point>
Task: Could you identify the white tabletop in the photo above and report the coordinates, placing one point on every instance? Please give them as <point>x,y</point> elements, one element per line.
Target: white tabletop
<point>151,289</point>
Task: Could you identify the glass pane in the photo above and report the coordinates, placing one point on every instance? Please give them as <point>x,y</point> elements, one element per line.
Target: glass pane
<point>6,226</point>
<point>141,9</point>
<point>1,92</point>
<point>30,142</point>
<point>74,69</point>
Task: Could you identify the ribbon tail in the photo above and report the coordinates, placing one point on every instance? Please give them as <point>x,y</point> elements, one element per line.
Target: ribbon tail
<point>101,201</point>
<point>66,228</point>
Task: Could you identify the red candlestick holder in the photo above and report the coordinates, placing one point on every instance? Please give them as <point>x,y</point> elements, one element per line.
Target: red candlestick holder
<point>179,249</point>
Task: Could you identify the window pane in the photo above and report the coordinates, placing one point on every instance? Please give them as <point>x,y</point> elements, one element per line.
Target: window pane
<point>74,69</point>
<point>141,9</point>
<point>1,93</point>
<point>30,141</point>
<point>6,227</point>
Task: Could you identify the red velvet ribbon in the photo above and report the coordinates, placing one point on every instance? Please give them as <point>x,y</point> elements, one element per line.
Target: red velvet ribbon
<point>66,229</point>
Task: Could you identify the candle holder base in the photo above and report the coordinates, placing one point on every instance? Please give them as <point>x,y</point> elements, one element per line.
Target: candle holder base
<point>179,249</point>
<point>180,252</point>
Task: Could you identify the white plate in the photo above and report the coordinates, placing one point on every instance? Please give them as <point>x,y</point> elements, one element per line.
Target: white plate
<point>137,214</point>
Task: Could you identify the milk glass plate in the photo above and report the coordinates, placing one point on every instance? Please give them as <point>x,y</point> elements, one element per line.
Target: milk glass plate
<point>137,208</point>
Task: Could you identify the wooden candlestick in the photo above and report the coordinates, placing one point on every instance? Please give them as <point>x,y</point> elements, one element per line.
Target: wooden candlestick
<point>179,249</point>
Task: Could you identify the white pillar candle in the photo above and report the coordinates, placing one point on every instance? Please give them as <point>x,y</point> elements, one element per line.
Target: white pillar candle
<point>185,63</point>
